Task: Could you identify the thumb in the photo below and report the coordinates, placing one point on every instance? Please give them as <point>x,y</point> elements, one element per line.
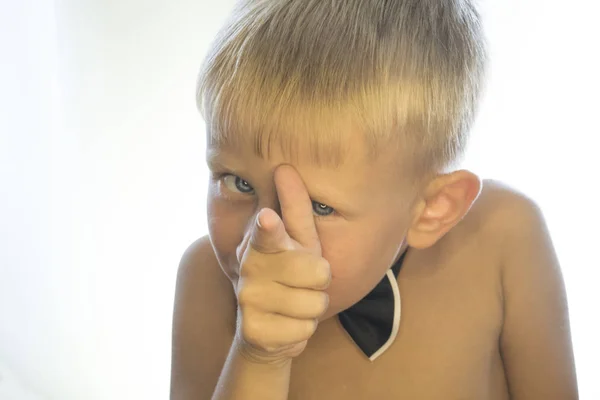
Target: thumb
<point>269,234</point>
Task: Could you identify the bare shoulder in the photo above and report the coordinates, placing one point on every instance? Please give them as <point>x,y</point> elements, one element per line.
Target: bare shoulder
<point>199,260</point>
<point>501,223</point>
<point>203,321</point>
<point>520,227</point>
<point>501,211</point>
<point>535,341</point>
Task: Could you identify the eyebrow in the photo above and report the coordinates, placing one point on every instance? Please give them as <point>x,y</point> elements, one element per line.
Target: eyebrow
<point>214,160</point>
<point>214,163</point>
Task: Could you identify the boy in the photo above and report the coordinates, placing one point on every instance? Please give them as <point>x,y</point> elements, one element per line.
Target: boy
<point>347,258</point>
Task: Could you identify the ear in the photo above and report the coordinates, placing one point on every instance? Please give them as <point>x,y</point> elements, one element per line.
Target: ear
<point>445,201</point>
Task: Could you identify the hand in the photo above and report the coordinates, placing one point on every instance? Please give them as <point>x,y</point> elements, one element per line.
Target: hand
<point>282,279</point>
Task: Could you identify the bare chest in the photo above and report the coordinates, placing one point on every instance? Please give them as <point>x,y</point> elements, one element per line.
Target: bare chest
<point>446,348</point>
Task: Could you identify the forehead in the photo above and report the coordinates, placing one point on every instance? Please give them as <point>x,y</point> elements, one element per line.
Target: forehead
<point>298,150</point>
<point>335,148</point>
<point>352,169</point>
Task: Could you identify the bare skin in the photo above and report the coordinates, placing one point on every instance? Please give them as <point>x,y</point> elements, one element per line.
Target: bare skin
<point>483,313</point>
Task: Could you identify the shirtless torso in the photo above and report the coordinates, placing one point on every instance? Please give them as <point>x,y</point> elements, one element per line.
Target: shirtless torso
<point>449,344</point>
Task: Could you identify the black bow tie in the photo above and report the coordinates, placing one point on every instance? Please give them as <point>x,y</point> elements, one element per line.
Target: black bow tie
<point>373,322</point>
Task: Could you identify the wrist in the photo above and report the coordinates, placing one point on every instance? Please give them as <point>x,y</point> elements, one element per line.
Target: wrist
<point>252,355</point>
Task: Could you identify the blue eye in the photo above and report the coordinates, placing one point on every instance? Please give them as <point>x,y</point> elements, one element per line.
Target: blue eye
<point>242,185</point>
<point>238,184</point>
<point>322,210</point>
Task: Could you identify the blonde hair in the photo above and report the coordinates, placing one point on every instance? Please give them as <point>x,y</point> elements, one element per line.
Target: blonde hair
<point>302,73</point>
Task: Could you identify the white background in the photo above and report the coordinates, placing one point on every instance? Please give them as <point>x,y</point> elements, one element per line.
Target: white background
<point>102,177</point>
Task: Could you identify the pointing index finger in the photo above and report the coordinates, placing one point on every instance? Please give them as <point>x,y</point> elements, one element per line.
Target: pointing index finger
<point>296,208</point>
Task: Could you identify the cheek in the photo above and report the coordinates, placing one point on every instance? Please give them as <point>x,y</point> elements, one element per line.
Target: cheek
<point>226,229</point>
<point>355,264</point>
<point>359,257</point>
<point>358,250</point>
<point>355,271</point>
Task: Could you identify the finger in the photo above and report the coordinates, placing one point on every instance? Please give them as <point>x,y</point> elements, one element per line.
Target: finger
<point>299,303</point>
<point>273,331</point>
<point>296,208</point>
<point>271,297</point>
<point>268,233</point>
<point>301,270</point>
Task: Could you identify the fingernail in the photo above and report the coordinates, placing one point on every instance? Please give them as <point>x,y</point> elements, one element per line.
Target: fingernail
<point>258,219</point>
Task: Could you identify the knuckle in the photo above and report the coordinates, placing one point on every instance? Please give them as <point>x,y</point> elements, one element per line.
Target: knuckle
<point>323,272</point>
<point>306,304</point>
<point>269,348</point>
<point>260,247</point>
<point>247,295</point>
<point>248,267</point>
<point>243,297</point>
<point>292,259</point>
<point>319,304</point>
<point>252,331</point>
<point>324,304</point>
<point>310,326</point>
<point>258,264</point>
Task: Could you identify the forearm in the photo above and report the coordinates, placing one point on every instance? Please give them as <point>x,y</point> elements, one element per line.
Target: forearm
<point>244,379</point>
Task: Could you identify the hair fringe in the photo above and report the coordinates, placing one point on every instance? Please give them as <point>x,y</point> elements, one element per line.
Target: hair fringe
<point>302,74</point>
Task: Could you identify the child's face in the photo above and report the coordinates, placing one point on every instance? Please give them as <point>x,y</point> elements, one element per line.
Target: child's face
<point>361,213</point>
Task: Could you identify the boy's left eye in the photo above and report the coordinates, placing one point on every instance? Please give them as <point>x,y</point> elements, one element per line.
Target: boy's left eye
<point>322,210</point>
<point>236,184</point>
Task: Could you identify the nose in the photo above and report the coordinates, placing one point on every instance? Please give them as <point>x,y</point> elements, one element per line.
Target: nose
<point>268,201</point>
